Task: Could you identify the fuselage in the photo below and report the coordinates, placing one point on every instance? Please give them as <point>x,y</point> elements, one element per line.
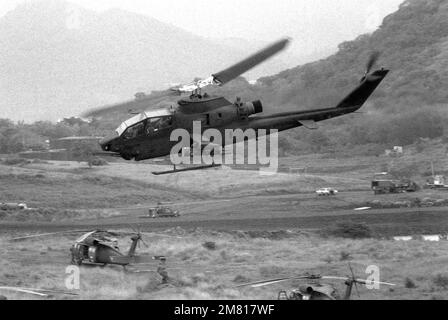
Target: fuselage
<point>148,135</point>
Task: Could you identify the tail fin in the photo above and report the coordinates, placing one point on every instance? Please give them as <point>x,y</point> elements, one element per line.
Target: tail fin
<point>135,239</point>
<point>368,84</point>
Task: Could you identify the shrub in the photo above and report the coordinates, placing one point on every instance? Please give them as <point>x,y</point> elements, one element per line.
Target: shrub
<point>39,161</point>
<point>224,255</point>
<point>351,230</point>
<point>240,279</point>
<point>441,280</point>
<point>328,259</point>
<point>97,162</point>
<point>15,161</point>
<point>344,256</point>
<point>408,283</point>
<point>209,245</point>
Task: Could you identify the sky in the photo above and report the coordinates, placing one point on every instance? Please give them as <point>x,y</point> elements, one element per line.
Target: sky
<point>314,25</point>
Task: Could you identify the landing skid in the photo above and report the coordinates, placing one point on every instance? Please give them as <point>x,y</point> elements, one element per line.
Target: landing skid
<point>107,154</point>
<point>159,173</point>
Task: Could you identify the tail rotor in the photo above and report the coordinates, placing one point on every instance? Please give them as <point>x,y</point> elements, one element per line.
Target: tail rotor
<point>138,233</point>
<point>374,56</point>
<point>353,280</point>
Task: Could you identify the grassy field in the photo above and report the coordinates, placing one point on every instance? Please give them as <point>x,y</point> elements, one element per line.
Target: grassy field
<point>72,191</point>
<point>61,191</point>
<point>196,272</point>
<point>311,171</point>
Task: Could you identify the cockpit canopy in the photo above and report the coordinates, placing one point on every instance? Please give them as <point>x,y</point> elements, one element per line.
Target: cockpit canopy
<point>155,117</point>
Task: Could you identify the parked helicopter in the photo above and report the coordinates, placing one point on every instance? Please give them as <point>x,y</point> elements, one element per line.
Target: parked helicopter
<point>101,248</point>
<point>161,211</point>
<point>147,135</point>
<point>316,290</point>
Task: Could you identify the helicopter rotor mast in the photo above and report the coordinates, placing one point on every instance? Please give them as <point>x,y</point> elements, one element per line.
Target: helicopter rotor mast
<point>228,74</point>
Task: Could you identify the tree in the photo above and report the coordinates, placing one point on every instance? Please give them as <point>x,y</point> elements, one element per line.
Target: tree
<point>73,121</point>
<point>83,151</point>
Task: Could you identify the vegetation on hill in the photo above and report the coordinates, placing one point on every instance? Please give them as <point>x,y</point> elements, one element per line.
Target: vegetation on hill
<point>18,137</point>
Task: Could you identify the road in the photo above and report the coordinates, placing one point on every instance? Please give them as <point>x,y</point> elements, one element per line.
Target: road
<point>262,213</point>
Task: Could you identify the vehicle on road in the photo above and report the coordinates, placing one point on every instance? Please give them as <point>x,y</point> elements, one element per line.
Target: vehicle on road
<point>162,212</point>
<point>326,192</point>
<point>437,182</point>
<point>13,206</point>
<point>384,183</point>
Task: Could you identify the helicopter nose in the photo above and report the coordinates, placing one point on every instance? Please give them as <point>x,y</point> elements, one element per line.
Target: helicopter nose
<point>108,143</point>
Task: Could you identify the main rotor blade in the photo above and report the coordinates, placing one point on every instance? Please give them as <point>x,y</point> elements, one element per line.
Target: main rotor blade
<point>37,292</point>
<point>52,291</point>
<point>132,228</point>
<point>24,291</point>
<point>238,69</point>
<point>372,60</point>
<point>353,279</point>
<point>365,281</point>
<point>263,283</point>
<point>144,243</point>
<point>357,290</point>
<point>362,281</point>
<point>335,278</point>
<point>258,284</point>
<point>47,234</point>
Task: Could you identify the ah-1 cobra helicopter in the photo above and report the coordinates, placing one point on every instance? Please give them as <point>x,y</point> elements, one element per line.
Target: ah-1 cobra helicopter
<point>147,135</point>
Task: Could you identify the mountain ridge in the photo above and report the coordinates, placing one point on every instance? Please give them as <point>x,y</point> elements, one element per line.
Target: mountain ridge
<point>58,59</point>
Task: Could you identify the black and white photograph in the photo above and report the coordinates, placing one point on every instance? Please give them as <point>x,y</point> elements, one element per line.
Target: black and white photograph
<point>239,152</point>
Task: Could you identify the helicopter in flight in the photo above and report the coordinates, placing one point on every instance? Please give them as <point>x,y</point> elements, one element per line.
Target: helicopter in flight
<point>147,135</point>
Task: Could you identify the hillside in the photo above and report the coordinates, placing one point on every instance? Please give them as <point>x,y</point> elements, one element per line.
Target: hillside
<point>410,104</point>
<point>58,60</point>
<point>413,43</point>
